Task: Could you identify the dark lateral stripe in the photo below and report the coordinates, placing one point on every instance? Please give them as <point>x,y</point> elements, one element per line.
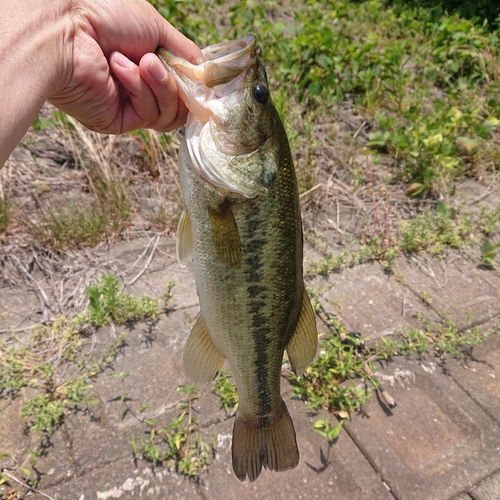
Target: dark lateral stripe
<point>257,294</point>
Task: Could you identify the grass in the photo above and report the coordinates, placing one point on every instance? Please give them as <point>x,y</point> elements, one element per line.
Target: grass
<point>50,364</point>
<point>42,359</point>
<point>431,231</point>
<point>226,390</point>
<point>342,378</point>
<point>424,82</point>
<point>179,443</point>
<point>87,218</point>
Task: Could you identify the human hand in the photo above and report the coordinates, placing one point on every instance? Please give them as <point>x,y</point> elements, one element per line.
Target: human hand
<point>112,82</point>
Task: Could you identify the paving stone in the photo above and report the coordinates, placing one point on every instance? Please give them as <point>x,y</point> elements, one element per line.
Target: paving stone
<point>15,441</point>
<point>105,446</point>
<point>18,309</point>
<point>152,359</point>
<point>337,471</point>
<point>124,479</point>
<point>489,489</point>
<point>462,291</point>
<point>480,377</point>
<point>436,443</point>
<point>55,462</point>
<point>160,270</point>
<point>370,301</point>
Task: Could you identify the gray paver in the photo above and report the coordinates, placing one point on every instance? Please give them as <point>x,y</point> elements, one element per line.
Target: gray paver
<point>436,443</point>
<point>489,489</point>
<point>14,441</point>
<point>462,291</point>
<point>124,479</point>
<point>339,471</point>
<point>480,378</point>
<point>371,301</point>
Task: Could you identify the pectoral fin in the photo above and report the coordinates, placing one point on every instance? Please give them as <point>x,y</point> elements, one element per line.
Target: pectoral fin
<point>225,235</point>
<point>201,360</point>
<point>185,243</point>
<point>301,348</point>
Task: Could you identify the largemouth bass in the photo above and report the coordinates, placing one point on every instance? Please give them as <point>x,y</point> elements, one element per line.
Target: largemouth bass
<point>242,227</point>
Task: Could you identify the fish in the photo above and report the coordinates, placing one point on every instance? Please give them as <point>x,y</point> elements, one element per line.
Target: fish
<point>242,228</point>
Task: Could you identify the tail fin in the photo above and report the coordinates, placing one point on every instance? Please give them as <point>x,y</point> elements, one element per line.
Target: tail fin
<point>264,442</point>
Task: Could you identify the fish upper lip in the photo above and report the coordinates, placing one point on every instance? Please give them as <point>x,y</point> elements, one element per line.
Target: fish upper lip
<point>224,62</point>
<point>224,52</point>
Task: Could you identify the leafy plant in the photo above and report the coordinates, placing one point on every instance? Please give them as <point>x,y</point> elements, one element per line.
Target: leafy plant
<point>108,304</point>
<point>179,443</point>
<point>56,393</point>
<point>331,382</point>
<point>442,337</point>
<point>489,252</point>
<point>226,390</point>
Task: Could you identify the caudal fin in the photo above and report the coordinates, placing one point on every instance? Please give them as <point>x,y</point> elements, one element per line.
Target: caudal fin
<point>267,442</point>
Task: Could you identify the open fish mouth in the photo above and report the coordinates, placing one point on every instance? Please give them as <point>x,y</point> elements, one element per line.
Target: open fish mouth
<point>223,62</point>
<point>225,65</point>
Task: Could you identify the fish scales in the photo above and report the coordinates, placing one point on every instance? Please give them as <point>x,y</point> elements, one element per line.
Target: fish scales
<point>246,237</point>
<point>238,301</point>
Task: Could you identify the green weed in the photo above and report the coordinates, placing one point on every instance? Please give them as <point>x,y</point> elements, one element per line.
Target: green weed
<point>53,350</point>
<point>226,390</point>
<point>489,252</point>
<point>443,337</point>
<point>107,304</point>
<point>179,443</point>
<point>4,212</point>
<point>332,382</point>
<point>431,231</point>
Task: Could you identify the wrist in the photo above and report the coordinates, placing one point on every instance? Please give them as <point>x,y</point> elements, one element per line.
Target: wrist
<point>34,61</point>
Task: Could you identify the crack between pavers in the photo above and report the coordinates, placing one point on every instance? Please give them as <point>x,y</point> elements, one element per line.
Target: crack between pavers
<point>471,494</point>
<point>471,396</point>
<point>443,317</point>
<point>74,463</point>
<point>366,455</point>
<point>418,296</point>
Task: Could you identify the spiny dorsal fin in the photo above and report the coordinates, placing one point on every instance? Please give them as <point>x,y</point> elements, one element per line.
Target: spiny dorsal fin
<point>201,360</point>
<point>184,247</point>
<point>267,441</point>
<point>225,235</point>
<point>301,348</point>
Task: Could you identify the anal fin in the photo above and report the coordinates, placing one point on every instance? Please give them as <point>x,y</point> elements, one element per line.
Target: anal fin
<point>201,360</point>
<point>184,246</point>
<point>225,235</point>
<point>302,346</point>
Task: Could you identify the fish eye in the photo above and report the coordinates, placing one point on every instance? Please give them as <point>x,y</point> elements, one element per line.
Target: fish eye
<point>260,93</point>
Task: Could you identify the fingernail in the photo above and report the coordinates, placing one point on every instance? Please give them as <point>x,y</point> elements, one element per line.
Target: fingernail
<point>123,61</point>
<point>157,70</point>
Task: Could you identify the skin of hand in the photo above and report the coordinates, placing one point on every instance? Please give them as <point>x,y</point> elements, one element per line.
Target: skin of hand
<point>94,60</point>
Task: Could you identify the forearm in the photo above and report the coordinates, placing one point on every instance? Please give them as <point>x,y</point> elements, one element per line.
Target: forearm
<point>32,35</point>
